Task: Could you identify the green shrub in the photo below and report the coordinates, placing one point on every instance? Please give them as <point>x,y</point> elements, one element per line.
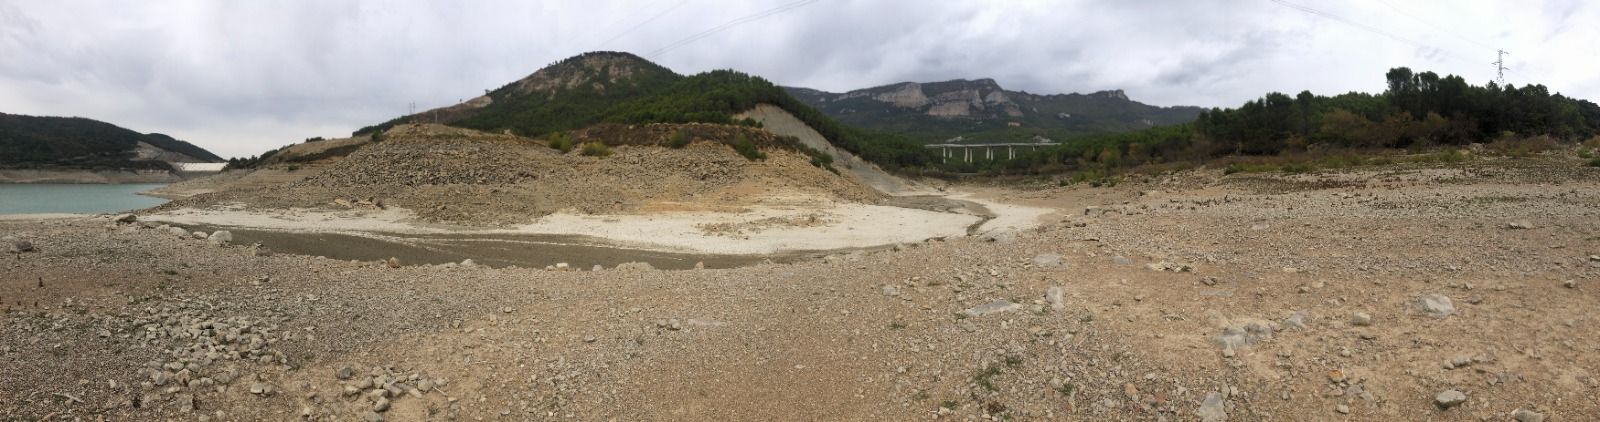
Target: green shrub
<point>678,140</point>
<point>596,149</point>
<point>561,141</point>
<point>1450,155</point>
<point>1296,168</point>
<point>1594,162</point>
<point>293,167</point>
<point>747,148</point>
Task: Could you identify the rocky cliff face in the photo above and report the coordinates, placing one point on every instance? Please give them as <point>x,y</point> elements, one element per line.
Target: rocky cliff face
<point>941,110</point>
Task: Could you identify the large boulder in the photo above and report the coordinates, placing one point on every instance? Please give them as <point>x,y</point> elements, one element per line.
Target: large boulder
<point>221,237</point>
<point>1435,305</point>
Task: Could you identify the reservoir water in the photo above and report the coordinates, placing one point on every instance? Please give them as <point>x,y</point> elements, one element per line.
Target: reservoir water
<point>75,198</point>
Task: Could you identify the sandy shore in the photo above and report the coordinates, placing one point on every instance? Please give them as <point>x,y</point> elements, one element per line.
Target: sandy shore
<point>761,229</point>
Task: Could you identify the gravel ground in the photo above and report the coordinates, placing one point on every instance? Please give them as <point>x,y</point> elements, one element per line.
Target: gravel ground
<point>1193,296</point>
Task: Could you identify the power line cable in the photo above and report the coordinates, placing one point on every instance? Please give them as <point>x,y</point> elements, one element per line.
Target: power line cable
<point>643,23</point>
<point>1440,28</point>
<point>736,22</point>
<point>1374,30</point>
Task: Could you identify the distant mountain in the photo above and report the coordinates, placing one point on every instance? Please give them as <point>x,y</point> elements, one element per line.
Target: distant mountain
<point>79,143</point>
<point>982,110</point>
<point>616,87</point>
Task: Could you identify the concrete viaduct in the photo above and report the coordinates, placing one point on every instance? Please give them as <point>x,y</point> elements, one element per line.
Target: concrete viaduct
<point>1007,151</point>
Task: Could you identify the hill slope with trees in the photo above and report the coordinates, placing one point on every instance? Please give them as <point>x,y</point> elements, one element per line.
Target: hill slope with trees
<point>614,87</point>
<point>1417,111</point>
<point>76,142</point>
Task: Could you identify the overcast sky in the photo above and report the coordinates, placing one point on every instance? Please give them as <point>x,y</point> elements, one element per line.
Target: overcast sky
<point>241,77</point>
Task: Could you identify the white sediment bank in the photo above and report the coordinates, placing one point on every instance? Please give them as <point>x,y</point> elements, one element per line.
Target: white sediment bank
<point>840,226</point>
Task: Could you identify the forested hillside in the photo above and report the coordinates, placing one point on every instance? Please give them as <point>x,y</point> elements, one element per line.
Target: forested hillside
<point>610,87</point>
<point>38,141</point>
<point>1417,111</point>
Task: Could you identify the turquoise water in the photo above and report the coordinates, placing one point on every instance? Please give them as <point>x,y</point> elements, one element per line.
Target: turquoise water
<point>76,199</point>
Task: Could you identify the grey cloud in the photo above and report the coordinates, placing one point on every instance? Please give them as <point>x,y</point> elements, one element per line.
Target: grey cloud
<point>242,77</point>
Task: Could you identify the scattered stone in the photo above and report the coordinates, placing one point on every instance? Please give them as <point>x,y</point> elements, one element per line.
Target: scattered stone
<point>1337,376</point>
<point>635,266</point>
<point>200,235</point>
<point>1121,260</point>
<point>1449,398</point>
<point>1297,320</point>
<point>468,262</point>
<point>562,266</point>
<point>1525,415</point>
<point>221,237</point>
<point>178,231</point>
<point>382,405</point>
<point>589,339</point>
<point>394,262</point>
<point>1170,267</point>
<point>1000,236</point>
<point>1570,284</point>
<point>1055,295</point>
<point>1361,319</point>
<point>1211,409</point>
<point>344,373</point>
<point>1435,305</point>
<point>1047,260</point>
<point>21,246</point>
<point>1243,332</point>
<point>1342,409</point>
<point>1208,280</point>
<point>1520,225</point>
<point>125,218</point>
<point>995,307</point>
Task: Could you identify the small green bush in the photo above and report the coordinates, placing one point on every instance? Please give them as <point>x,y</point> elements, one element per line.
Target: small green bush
<point>1594,162</point>
<point>1296,168</point>
<point>678,140</point>
<point>748,149</point>
<point>596,149</point>
<point>562,142</point>
<point>293,167</point>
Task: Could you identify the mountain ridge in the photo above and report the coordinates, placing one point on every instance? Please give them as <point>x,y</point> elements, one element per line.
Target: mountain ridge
<point>983,109</point>
<point>619,87</point>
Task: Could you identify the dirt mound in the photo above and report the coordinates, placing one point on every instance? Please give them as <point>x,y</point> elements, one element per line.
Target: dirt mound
<point>463,176</point>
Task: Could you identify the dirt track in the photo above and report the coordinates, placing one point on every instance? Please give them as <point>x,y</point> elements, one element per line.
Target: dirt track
<point>873,336</point>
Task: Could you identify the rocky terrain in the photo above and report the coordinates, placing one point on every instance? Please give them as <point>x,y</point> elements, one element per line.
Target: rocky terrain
<point>454,175</point>
<point>1387,293</point>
